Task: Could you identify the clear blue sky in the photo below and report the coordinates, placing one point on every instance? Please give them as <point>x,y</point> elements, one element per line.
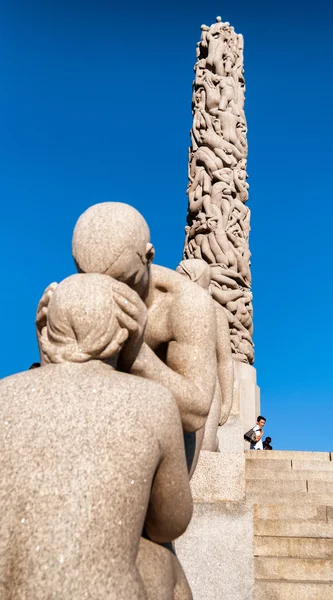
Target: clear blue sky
<point>95,105</point>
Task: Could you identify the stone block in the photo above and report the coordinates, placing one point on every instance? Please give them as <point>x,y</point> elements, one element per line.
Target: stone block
<point>257,400</point>
<point>271,465</point>
<point>293,528</point>
<point>288,475</point>
<point>321,487</point>
<point>276,497</point>
<point>281,512</point>
<point>216,551</point>
<point>271,485</point>
<point>308,465</point>
<point>273,590</point>
<point>287,454</point>
<point>219,477</point>
<point>245,376</point>
<point>231,435</point>
<point>296,547</point>
<point>299,569</point>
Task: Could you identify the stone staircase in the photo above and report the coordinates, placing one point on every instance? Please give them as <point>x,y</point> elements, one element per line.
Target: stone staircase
<point>292,497</point>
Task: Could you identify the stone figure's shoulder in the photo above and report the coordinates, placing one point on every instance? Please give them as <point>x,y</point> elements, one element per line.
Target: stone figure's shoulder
<point>17,381</point>
<point>134,386</point>
<point>35,382</point>
<point>185,292</point>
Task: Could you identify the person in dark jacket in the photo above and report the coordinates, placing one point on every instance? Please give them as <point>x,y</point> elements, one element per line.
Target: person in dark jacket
<point>267,444</point>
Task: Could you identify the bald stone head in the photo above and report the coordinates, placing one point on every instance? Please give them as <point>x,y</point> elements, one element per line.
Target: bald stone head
<point>113,238</point>
<point>84,320</point>
<point>196,270</point>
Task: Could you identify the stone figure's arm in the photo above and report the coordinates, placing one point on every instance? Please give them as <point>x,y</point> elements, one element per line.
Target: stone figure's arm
<point>170,505</point>
<point>190,369</point>
<point>225,365</point>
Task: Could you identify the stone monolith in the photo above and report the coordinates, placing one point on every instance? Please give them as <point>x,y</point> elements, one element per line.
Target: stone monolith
<point>218,218</point>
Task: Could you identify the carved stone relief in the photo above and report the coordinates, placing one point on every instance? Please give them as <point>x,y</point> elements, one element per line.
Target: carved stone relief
<point>218,218</point>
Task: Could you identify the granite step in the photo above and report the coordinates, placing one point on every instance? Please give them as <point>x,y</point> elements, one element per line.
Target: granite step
<point>288,465</point>
<point>287,455</point>
<point>289,475</point>
<point>293,528</point>
<point>278,590</point>
<point>271,465</point>
<point>282,512</point>
<point>292,497</point>
<point>320,487</point>
<point>307,465</point>
<point>294,547</point>
<point>281,486</point>
<point>277,497</point>
<point>294,569</point>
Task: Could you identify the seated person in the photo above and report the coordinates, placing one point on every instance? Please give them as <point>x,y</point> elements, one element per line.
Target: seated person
<point>90,456</point>
<point>267,444</point>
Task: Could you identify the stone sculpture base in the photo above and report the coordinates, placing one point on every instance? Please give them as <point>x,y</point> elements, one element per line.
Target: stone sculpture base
<point>244,412</point>
<point>217,549</point>
<point>249,394</point>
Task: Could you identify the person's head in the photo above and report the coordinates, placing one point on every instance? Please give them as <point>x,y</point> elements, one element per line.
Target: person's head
<point>261,421</point>
<point>85,320</point>
<point>113,238</point>
<point>196,270</point>
<point>267,440</point>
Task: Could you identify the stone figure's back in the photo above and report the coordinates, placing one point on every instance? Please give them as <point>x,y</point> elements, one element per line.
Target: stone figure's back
<point>80,447</point>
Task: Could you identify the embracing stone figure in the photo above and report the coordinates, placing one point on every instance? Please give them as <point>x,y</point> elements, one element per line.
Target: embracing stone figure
<point>88,458</point>
<point>179,348</point>
<point>198,271</point>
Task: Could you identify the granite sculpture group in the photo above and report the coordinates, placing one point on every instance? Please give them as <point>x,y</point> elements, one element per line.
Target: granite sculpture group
<point>99,444</point>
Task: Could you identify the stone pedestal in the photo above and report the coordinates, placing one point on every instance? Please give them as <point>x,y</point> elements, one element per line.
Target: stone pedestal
<point>231,433</point>
<point>244,412</point>
<point>217,549</point>
<point>219,477</point>
<point>249,394</point>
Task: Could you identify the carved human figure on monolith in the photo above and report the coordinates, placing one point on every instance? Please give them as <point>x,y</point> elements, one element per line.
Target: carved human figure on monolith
<point>88,457</point>
<point>198,271</point>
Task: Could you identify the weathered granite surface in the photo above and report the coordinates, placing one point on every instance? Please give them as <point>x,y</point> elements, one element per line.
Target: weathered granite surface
<point>219,476</point>
<point>89,456</point>
<point>217,551</point>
